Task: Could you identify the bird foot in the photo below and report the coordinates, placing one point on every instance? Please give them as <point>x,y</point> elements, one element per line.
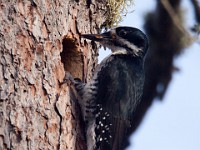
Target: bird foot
<point>69,79</point>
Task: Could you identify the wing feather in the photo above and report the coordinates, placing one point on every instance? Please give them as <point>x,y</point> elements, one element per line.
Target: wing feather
<point>120,84</point>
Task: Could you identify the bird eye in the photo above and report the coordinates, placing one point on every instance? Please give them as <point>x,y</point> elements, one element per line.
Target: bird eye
<point>122,33</point>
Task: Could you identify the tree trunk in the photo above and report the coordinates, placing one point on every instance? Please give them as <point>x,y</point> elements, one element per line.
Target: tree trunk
<point>39,41</point>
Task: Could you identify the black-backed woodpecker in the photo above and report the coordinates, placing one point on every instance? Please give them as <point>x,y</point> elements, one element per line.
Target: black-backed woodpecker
<point>108,101</point>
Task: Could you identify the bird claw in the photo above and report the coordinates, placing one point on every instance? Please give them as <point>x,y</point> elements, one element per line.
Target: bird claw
<point>68,79</point>
<point>68,76</point>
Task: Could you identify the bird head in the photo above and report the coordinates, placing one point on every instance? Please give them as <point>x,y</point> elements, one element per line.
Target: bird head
<point>122,40</point>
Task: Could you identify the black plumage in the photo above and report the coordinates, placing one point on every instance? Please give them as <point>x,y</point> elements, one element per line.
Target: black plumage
<point>119,89</point>
<point>110,98</point>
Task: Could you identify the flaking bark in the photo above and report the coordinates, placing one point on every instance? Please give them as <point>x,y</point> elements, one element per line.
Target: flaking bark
<point>35,108</point>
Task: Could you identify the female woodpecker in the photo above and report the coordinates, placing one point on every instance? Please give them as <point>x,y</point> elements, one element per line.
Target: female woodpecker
<point>108,101</point>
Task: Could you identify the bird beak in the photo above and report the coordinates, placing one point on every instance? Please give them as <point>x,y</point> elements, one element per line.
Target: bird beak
<point>97,37</point>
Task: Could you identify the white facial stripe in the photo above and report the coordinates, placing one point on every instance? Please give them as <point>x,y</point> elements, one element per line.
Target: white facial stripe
<point>131,46</point>
<point>127,43</point>
<point>119,51</point>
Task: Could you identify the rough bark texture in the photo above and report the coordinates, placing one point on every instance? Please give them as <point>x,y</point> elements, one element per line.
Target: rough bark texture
<point>37,42</point>
<point>40,40</point>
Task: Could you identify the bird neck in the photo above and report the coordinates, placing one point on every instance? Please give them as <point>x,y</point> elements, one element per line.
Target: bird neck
<point>127,53</point>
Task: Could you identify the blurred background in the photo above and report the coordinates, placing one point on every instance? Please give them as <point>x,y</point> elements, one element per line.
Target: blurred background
<point>173,120</point>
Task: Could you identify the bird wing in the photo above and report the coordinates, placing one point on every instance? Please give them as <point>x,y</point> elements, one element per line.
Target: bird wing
<point>120,84</point>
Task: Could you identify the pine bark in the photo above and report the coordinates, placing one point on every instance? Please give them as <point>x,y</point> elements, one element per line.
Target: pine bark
<point>39,41</point>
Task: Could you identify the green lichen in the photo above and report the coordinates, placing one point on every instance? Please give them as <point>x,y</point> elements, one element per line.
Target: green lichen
<point>116,10</point>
